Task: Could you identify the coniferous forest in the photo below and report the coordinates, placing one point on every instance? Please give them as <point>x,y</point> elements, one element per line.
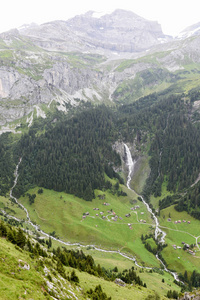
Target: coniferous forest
<point>100,159</point>
<point>73,154</point>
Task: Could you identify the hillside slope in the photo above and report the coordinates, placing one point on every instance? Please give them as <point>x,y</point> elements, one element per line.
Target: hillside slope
<point>64,64</point>
<point>28,272</point>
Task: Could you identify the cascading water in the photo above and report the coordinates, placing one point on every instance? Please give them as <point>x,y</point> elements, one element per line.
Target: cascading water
<point>131,164</point>
<point>11,191</point>
<point>36,227</point>
<point>158,232</point>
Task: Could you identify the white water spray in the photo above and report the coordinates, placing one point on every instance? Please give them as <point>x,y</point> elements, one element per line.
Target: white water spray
<point>158,232</point>
<point>130,164</point>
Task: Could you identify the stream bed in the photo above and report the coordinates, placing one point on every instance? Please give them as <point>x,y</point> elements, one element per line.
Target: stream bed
<point>158,232</point>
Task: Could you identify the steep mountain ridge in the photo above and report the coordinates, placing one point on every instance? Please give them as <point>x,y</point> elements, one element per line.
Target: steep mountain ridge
<point>190,31</point>
<point>121,31</point>
<point>62,63</point>
<point>65,159</point>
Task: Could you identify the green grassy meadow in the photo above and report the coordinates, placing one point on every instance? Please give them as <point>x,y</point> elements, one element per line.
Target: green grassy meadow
<point>16,283</point>
<point>19,283</point>
<point>179,259</point>
<point>63,214</point>
<point>12,208</point>
<point>153,279</point>
<point>118,292</point>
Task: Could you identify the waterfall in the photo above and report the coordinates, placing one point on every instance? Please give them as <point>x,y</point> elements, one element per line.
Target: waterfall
<point>130,163</point>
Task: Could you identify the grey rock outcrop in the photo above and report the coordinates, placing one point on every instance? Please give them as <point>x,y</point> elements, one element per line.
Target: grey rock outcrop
<point>190,31</point>
<point>190,296</point>
<point>62,76</point>
<point>86,58</point>
<point>121,31</point>
<point>120,282</point>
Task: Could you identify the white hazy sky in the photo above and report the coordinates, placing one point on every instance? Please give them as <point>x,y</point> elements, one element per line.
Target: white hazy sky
<point>173,15</point>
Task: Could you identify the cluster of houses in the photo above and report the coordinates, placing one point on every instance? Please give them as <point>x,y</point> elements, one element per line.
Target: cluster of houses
<point>85,215</point>
<point>179,221</point>
<point>186,247</point>
<point>129,225</point>
<point>101,214</point>
<point>114,216</point>
<point>143,221</point>
<point>135,207</point>
<point>176,247</point>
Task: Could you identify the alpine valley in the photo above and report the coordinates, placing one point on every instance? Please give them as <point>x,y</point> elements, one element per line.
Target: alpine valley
<point>99,160</point>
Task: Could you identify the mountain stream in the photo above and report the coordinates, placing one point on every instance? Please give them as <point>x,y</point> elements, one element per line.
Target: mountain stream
<point>158,231</point>
<point>159,234</point>
<point>131,164</point>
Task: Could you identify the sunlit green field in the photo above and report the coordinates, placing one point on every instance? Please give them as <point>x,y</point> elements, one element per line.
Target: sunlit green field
<point>74,220</point>
<point>177,233</point>
<point>62,215</point>
<point>12,208</point>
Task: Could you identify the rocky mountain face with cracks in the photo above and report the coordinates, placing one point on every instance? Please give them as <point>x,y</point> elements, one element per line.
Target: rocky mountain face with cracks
<point>111,58</point>
<point>121,31</point>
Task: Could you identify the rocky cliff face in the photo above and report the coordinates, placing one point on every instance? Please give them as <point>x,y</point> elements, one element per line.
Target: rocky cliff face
<point>85,58</point>
<point>121,31</point>
<point>190,31</point>
<point>20,92</point>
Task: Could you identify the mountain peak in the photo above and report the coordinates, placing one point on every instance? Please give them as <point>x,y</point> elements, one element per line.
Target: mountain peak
<point>190,31</point>
<point>126,13</point>
<point>118,31</point>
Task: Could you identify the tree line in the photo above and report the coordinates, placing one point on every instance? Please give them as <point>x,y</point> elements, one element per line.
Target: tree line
<point>72,156</point>
<point>63,257</point>
<point>174,140</point>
